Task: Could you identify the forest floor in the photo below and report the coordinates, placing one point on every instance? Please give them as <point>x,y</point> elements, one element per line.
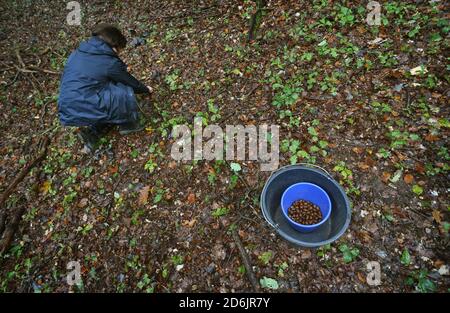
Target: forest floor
<point>367,103</point>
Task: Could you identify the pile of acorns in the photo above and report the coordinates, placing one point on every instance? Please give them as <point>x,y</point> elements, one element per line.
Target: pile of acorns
<point>305,212</point>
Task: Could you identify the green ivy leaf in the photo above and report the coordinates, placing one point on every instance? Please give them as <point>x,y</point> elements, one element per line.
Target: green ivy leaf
<point>157,198</point>
<point>396,176</point>
<point>417,190</point>
<point>268,283</point>
<point>406,257</point>
<point>220,212</point>
<point>426,285</point>
<point>265,257</point>
<point>295,144</point>
<point>312,131</point>
<point>446,226</point>
<point>347,257</point>
<point>293,159</point>
<point>323,144</point>
<point>235,167</point>
<point>348,254</point>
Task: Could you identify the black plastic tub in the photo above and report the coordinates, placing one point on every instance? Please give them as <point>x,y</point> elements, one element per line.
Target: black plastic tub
<point>286,176</point>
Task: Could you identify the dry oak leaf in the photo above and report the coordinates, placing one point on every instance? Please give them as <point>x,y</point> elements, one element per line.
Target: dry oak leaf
<point>190,223</point>
<point>408,178</point>
<point>191,198</point>
<point>385,177</point>
<point>419,168</point>
<point>437,216</point>
<point>83,203</point>
<point>358,150</point>
<point>363,166</point>
<point>143,195</point>
<point>431,137</point>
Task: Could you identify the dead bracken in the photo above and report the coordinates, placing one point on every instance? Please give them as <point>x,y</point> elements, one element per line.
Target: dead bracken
<point>305,212</point>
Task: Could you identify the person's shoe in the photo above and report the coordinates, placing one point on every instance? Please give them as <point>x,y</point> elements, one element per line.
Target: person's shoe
<point>130,128</point>
<point>89,139</point>
<point>102,129</point>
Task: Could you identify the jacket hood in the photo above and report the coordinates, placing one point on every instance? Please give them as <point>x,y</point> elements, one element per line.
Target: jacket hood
<point>96,46</point>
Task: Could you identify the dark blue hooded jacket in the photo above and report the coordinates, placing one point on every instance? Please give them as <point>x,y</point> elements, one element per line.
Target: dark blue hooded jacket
<point>96,87</point>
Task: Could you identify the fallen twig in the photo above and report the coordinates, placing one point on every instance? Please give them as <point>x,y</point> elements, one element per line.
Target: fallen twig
<point>24,70</point>
<point>256,19</point>
<point>8,232</point>
<point>2,223</point>
<point>31,70</point>
<point>245,97</point>
<point>44,111</point>
<point>25,171</point>
<point>46,50</point>
<point>246,261</point>
<point>14,79</point>
<point>19,58</point>
<point>37,69</point>
<point>110,202</point>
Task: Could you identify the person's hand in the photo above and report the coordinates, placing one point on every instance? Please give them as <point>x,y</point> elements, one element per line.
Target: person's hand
<point>150,89</point>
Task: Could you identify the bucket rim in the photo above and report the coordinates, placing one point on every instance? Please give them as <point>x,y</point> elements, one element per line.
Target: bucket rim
<point>318,170</point>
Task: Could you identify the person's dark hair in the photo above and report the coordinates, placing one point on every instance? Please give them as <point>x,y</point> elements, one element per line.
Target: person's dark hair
<point>111,35</point>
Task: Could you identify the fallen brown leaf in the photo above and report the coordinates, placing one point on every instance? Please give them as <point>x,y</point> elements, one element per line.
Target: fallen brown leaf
<point>401,156</point>
<point>431,137</point>
<point>83,203</point>
<point>369,161</point>
<point>361,277</point>
<point>438,263</point>
<point>437,216</point>
<point>408,178</point>
<point>190,223</point>
<point>385,177</point>
<point>398,212</point>
<point>358,150</point>
<point>364,236</point>
<point>420,168</point>
<point>45,187</point>
<point>363,166</point>
<point>191,198</point>
<point>306,255</point>
<point>113,169</point>
<point>143,195</point>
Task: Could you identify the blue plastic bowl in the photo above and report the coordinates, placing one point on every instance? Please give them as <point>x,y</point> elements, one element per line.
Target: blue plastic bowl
<point>309,192</point>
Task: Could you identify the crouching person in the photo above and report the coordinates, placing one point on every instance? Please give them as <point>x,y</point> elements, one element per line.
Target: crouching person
<point>96,91</point>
